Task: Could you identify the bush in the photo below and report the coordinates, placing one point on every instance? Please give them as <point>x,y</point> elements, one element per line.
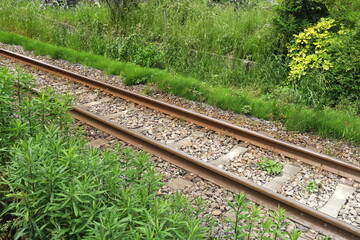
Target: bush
<point>21,115</point>
<point>344,77</point>
<point>310,50</point>
<point>325,64</point>
<point>69,191</point>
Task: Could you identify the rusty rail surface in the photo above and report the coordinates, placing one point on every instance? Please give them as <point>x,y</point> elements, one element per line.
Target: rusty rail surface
<point>261,195</point>
<point>290,150</point>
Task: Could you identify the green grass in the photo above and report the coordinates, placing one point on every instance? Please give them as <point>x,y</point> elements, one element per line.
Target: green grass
<point>195,38</point>
<point>210,42</point>
<point>328,122</point>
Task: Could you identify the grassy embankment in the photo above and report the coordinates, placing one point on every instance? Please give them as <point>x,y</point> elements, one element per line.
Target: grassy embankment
<point>225,58</point>
<point>208,43</point>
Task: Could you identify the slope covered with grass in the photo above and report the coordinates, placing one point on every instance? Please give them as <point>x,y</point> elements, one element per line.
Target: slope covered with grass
<point>327,122</point>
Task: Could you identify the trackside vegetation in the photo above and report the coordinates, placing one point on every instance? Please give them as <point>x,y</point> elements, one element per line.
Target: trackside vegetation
<point>54,186</point>
<point>243,44</point>
<point>327,122</point>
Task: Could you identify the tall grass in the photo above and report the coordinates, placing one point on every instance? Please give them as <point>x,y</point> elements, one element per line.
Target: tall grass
<point>211,43</point>
<point>329,123</point>
<point>220,47</point>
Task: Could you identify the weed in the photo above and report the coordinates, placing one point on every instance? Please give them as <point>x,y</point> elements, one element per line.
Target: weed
<point>250,222</point>
<point>270,166</point>
<point>325,238</point>
<point>246,109</point>
<point>312,186</point>
<point>55,187</point>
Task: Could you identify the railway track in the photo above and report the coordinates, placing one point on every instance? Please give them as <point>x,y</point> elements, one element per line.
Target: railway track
<point>104,112</point>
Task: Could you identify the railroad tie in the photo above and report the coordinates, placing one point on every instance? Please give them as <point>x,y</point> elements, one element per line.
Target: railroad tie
<point>105,99</point>
<point>185,142</point>
<point>337,200</point>
<point>235,152</point>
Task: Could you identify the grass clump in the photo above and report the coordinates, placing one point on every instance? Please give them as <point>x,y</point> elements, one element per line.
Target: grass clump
<point>270,166</point>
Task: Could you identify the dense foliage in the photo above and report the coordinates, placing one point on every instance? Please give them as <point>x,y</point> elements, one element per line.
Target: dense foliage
<point>325,64</point>
<point>53,186</point>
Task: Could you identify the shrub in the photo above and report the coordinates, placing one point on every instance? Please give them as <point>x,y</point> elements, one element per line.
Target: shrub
<point>344,11</point>
<point>310,50</point>
<point>344,77</point>
<point>61,189</point>
<point>325,63</point>
<point>149,56</point>
<point>21,115</point>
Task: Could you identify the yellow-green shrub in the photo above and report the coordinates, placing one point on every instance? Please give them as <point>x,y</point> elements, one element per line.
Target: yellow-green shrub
<point>324,63</point>
<point>310,49</point>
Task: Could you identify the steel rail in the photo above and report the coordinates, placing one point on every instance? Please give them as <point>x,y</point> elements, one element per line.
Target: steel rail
<point>264,197</point>
<point>290,150</point>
